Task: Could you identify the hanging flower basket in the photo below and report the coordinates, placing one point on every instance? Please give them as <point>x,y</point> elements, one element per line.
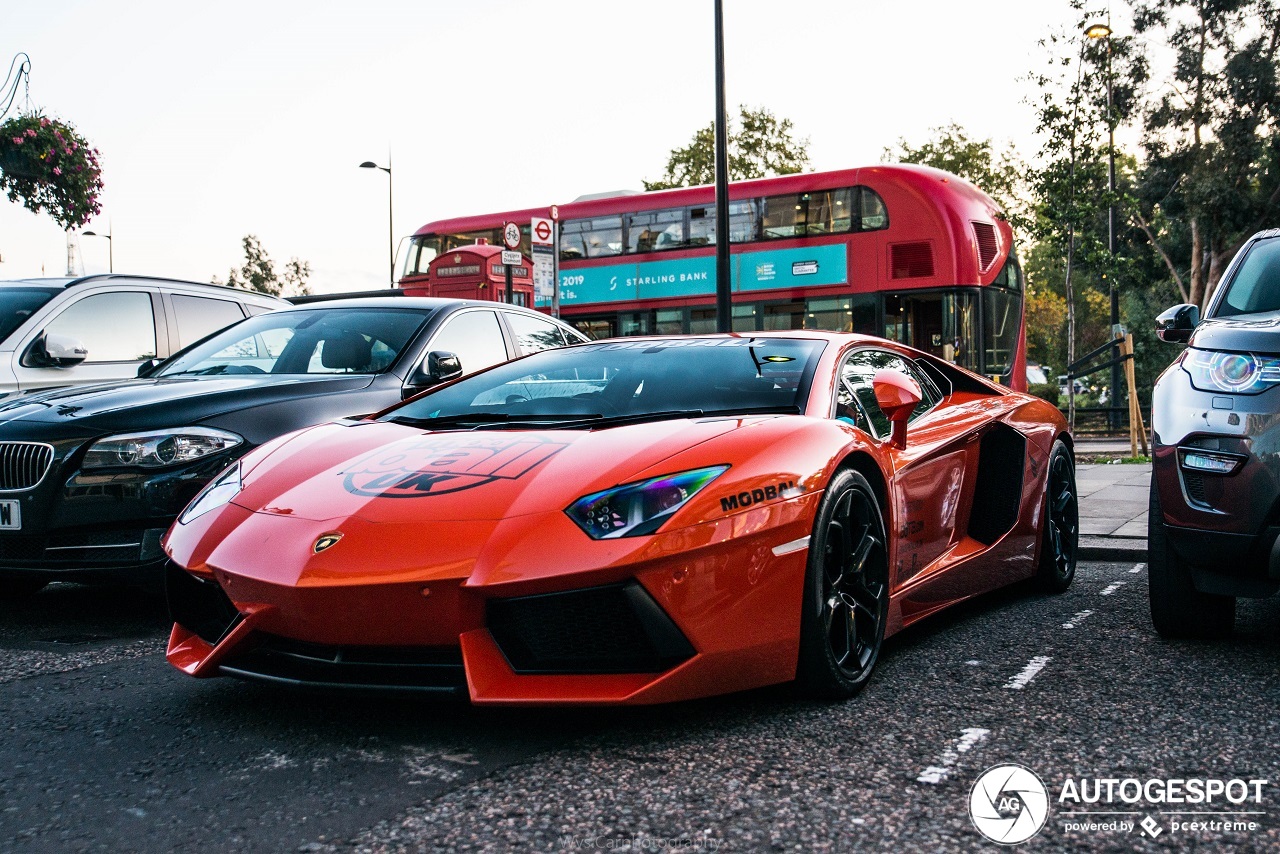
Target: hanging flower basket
<point>47,166</point>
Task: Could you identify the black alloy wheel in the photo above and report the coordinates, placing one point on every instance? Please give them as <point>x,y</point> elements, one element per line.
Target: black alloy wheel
<point>846,591</point>
<point>1060,537</point>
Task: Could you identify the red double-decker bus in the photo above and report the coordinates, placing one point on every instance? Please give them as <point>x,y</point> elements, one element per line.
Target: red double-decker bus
<point>907,252</point>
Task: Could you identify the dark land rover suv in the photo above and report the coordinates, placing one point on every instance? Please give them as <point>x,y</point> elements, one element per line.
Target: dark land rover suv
<point>1214,526</point>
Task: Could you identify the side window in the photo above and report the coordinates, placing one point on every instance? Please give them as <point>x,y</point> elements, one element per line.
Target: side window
<point>534,334</point>
<point>591,238</point>
<point>856,389</point>
<point>475,336</point>
<point>199,316</point>
<point>874,216</point>
<point>118,327</point>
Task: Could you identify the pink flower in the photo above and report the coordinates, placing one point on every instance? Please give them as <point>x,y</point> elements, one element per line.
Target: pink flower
<point>44,123</point>
<point>31,131</point>
<point>57,171</point>
<point>17,140</point>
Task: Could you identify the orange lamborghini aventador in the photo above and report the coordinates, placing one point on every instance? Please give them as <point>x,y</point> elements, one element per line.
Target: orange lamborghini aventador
<point>629,521</point>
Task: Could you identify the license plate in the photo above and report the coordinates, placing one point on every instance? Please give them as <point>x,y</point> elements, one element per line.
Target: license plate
<point>10,514</point>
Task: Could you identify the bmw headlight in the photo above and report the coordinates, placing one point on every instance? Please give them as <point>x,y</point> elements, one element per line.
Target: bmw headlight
<point>158,448</point>
<point>1236,373</point>
<point>637,509</point>
<point>220,490</point>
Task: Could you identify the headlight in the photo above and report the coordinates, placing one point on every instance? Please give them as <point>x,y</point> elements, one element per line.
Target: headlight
<point>220,490</point>
<point>636,509</point>
<point>158,448</point>
<point>1236,373</point>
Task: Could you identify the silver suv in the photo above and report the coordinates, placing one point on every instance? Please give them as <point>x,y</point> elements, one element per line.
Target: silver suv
<point>71,331</point>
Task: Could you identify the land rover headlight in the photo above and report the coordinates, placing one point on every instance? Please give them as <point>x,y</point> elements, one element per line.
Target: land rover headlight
<point>1234,373</point>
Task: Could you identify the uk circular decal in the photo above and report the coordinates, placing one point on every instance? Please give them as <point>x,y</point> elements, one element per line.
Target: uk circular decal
<point>441,465</point>
<point>1009,804</point>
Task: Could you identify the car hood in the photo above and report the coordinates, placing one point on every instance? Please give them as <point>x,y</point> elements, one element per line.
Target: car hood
<point>385,472</point>
<point>1254,333</point>
<point>141,404</point>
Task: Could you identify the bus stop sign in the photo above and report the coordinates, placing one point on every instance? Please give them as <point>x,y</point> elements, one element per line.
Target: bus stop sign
<point>541,230</point>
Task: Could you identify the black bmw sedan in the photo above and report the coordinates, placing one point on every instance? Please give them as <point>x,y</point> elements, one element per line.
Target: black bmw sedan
<point>92,476</point>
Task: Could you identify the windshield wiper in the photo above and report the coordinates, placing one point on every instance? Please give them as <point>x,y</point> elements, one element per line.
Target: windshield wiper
<point>672,414</point>
<point>484,419</point>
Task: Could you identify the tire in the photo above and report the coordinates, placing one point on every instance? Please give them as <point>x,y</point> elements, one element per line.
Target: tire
<point>1060,532</point>
<point>846,591</point>
<point>20,588</point>
<point>1178,609</point>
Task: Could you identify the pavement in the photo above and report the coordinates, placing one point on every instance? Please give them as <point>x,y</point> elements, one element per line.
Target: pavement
<point>1113,502</point>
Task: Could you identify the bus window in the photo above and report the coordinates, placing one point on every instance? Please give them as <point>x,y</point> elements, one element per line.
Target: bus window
<point>830,211</point>
<point>591,238</point>
<point>834,314</point>
<point>874,215</point>
<point>865,318</point>
<point>742,223</point>
<point>656,230</point>
<point>784,216</point>
<point>1001,319</point>
<point>787,315</point>
<point>669,321</point>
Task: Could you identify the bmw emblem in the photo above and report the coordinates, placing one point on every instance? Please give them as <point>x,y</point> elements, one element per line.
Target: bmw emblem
<point>326,541</point>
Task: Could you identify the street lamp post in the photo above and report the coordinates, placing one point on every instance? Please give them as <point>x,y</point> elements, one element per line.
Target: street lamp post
<point>111,261</point>
<point>391,227</point>
<point>1103,31</point>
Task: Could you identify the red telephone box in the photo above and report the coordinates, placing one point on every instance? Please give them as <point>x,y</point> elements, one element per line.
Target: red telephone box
<point>476,272</point>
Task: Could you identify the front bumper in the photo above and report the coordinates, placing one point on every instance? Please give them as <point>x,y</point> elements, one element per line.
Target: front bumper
<point>1225,526</point>
<point>100,526</point>
<point>700,611</point>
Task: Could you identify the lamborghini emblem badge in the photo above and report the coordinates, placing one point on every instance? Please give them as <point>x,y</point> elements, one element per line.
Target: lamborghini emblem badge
<point>326,541</point>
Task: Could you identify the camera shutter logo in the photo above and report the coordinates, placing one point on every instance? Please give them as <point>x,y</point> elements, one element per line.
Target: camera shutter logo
<point>1009,804</point>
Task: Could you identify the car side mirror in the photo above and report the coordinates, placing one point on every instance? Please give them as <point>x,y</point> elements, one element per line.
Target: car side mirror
<point>1175,325</point>
<point>145,368</point>
<point>52,350</point>
<point>440,366</point>
<point>897,395</point>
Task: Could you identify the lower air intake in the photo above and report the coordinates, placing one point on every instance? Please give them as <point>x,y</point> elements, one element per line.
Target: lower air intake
<point>618,628</point>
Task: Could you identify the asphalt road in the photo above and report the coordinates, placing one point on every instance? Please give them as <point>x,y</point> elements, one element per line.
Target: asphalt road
<point>106,748</point>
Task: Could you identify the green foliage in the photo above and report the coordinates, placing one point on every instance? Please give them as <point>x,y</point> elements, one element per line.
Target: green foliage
<point>259,273</point>
<point>1211,134</point>
<point>47,166</point>
<point>1045,391</point>
<point>760,145</point>
<point>998,173</point>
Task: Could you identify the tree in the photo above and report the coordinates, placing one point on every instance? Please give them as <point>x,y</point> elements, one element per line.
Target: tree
<point>759,146</point>
<point>49,167</point>
<point>1211,135</point>
<point>998,173</point>
<point>259,273</point>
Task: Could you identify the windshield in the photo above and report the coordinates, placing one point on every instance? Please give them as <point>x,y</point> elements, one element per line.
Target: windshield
<point>1256,287</point>
<point>17,304</point>
<point>630,380</point>
<point>329,340</point>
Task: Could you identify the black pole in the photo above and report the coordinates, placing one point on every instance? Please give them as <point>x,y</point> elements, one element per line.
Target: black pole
<point>507,271</point>
<point>724,291</point>
<point>1114,418</point>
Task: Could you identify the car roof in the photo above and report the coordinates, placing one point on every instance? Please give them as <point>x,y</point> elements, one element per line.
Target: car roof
<point>314,301</point>
<point>97,278</point>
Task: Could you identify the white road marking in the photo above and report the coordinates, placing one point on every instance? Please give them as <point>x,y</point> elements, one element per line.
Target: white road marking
<point>935,774</point>
<point>1137,568</point>
<point>1076,619</point>
<point>1113,587</point>
<point>1034,666</point>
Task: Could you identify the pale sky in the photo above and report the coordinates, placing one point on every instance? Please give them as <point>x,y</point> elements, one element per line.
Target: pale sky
<point>220,120</point>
